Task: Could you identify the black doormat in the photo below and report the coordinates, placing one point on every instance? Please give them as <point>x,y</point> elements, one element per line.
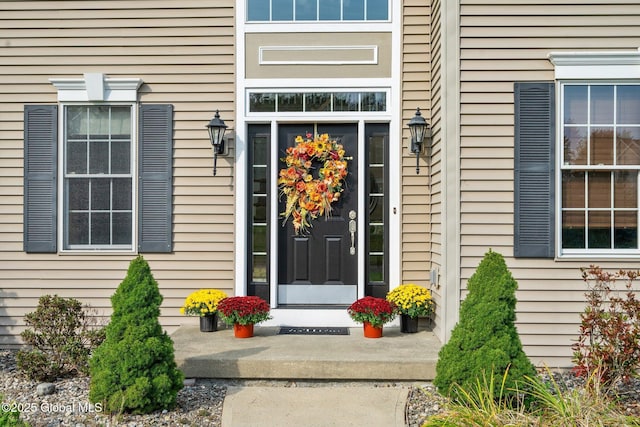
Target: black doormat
<point>310,330</point>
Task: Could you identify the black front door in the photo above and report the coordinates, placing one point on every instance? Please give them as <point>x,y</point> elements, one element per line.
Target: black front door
<point>319,266</point>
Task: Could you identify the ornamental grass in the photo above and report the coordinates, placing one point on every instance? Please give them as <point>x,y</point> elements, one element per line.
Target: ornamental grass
<point>376,311</point>
<point>411,300</point>
<point>202,302</point>
<point>244,310</point>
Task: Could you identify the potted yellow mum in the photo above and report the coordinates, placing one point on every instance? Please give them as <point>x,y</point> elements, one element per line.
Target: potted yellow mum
<point>204,303</point>
<point>412,301</point>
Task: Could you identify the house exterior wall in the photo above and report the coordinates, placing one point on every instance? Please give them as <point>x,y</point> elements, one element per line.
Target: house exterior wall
<point>184,53</point>
<point>502,42</point>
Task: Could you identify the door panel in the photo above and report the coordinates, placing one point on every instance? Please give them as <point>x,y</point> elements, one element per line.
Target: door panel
<point>319,268</point>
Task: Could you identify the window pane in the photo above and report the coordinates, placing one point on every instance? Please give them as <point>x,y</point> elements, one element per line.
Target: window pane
<point>601,146</point>
<point>599,189</point>
<point>120,157</point>
<point>376,209</point>
<point>573,189</point>
<point>259,273</point>
<point>259,180</point>
<point>259,238</point>
<point>98,157</point>
<point>575,104</point>
<point>289,102</point>
<point>100,229</point>
<point>262,102</point>
<point>376,268</point>
<point>599,230</point>
<point>317,102</point>
<point>78,194</point>
<point>120,123</point>
<point>376,150</point>
<point>76,118</point>
<point>258,10</point>
<point>100,194</point>
<point>78,228</point>
<point>602,104</point>
<point>259,209</point>
<point>329,10</point>
<point>122,228</point>
<point>377,10</point>
<point>575,145</point>
<point>345,102</point>
<point>376,238</point>
<point>259,150</point>
<point>99,122</point>
<point>625,189</point>
<point>626,230</point>
<point>573,236</point>
<point>306,10</point>
<point>77,157</point>
<point>353,10</point>
<point>122,194</point>
<point>282,10</point>
<point>628,104</point>
<point>374,101</point>
<point>628,146</point>
<point>376,179</point>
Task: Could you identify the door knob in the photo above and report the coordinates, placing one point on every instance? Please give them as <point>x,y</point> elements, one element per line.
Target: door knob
<point>352,230</point>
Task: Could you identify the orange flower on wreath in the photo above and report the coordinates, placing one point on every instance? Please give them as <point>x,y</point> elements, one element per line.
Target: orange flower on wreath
<point>307,197</point>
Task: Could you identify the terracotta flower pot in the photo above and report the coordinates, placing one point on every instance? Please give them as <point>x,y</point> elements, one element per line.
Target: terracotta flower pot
<point>243,331</point>
<point>209,322</point>
<point>408,325</point>
<point>372,331</point>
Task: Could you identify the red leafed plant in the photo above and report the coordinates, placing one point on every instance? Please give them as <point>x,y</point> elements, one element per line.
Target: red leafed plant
<point>609,343</point>
<point>243,310</point>
<point>376,311</point>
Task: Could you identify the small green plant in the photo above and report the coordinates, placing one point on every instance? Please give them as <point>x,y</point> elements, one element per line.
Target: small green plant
<point>63,336</point>
<point>485,340</point>
<point>10,415</point>
<point>608,346</point>
<point>134,369</point>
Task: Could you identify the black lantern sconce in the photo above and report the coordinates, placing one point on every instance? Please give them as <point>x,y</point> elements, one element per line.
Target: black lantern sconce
<point>216,134</point>
<point>419,132</point>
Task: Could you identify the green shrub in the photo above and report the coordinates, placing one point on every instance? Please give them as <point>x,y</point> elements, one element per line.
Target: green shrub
<point>10,415</point>
<point>134,369</point>
<point>485,340</point>
<point>61,340</point>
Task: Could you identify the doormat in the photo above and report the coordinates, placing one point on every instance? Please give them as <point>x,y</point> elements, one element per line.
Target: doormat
<point>306,330</point>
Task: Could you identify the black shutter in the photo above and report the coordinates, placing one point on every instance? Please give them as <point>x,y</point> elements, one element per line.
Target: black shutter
<point>40,171</point>
<point>155,178</point>
<point>534,169</point>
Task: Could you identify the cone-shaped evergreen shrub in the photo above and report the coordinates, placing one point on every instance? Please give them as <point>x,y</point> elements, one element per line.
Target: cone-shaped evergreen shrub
<point>134,369</point>
<point>485,340</point>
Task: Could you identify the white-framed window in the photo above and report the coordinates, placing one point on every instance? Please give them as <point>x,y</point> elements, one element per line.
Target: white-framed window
<point>98,189</point>
<point>317,10</point>
<point>599,164</point>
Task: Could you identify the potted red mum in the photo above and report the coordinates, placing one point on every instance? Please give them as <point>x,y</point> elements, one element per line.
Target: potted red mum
<point>373,313</point>
<point>243,313</point>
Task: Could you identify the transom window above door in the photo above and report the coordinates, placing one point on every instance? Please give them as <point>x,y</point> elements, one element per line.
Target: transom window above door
<point>271,102</point>
<point>317,10</point>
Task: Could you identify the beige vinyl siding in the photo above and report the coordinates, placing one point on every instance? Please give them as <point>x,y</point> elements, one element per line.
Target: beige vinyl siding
<point>184,52</point>
<point>502,42</point>
<point>416,78</point>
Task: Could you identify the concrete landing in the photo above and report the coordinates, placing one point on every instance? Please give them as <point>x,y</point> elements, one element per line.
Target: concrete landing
<point>314,407</point>
<point>394,357</point>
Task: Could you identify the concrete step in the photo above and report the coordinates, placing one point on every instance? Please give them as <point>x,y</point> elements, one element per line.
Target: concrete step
<point>268,355</point>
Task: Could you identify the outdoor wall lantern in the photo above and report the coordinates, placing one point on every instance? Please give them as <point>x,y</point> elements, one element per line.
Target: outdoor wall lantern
<point>419,131</point>
<point>216,135</point>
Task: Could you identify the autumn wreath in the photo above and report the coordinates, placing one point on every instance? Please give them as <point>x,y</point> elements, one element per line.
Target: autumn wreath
<point>308,197</point>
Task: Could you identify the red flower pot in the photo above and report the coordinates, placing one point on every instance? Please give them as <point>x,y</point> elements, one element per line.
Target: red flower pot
<point>243,331</point>
<point>372,331</point>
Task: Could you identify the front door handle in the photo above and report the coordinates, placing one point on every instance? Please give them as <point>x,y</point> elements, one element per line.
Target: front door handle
<point>352,230</point>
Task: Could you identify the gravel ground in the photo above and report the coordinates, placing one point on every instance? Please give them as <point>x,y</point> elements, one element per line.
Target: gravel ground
<point>199,402</point>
